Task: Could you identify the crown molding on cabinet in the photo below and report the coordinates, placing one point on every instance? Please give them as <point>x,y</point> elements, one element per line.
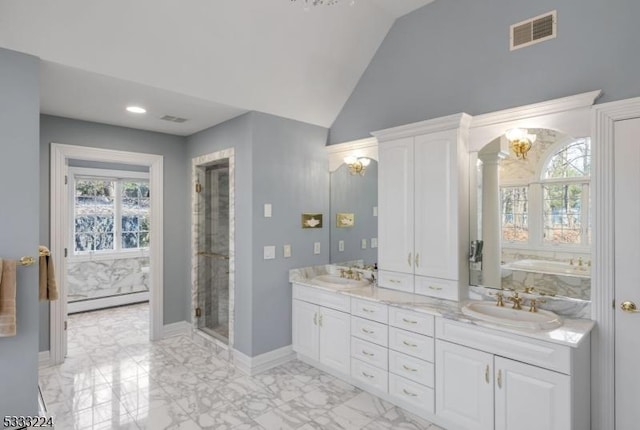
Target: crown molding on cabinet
<point>449,122</point>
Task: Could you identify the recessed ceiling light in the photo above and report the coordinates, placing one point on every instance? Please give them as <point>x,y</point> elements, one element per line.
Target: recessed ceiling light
<point>136,109</point>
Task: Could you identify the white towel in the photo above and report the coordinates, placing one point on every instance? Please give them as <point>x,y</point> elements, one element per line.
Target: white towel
<point>7,298</point>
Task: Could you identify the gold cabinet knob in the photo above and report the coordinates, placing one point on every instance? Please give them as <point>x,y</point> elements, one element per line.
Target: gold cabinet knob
<point>629,307</point>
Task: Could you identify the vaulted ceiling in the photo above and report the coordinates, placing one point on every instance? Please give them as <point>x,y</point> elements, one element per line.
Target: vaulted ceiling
<point>204,60</point>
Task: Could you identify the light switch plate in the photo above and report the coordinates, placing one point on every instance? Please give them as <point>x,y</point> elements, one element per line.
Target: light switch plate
<point>374,242</point>
<point>286,251</point>
<point>316,247</point>
<point>269,252</point>
<point>267,210</point>
<point>363,244</point>
<point>375,211</point>
<point>341,245</point>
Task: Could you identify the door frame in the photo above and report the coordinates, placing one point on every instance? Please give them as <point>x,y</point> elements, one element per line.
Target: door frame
<point>603,277</point>
<point>59,222</point>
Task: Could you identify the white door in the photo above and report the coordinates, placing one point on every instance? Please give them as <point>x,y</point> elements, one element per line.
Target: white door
<point>436,191</point>
<point>335,339</point>
<point>395,206</point>
<point>530,398</point>
<point>305,329</point>
<point>627,275</point>
<point>464,386</point>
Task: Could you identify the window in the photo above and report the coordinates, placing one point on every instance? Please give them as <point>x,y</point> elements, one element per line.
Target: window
<point>560,201</point>
<point>109,214</point>
<point>565,195</point>
<point>514,210</point>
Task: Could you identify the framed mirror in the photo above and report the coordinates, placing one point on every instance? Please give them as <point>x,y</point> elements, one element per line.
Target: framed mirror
<point>354,201</point>
<point>530,199</point>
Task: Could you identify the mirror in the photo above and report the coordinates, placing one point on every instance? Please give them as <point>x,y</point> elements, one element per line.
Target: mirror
<point>530,225</point>
<point>353,216</point>
<point>357,195</point>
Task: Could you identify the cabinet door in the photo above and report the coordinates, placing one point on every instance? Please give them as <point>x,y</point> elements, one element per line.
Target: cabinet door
<point>531,398</point>
<point>305,328</point>
<point>395,206</point>
<point>464,386</point>
<point>335,339</point>
<point>436,205</point>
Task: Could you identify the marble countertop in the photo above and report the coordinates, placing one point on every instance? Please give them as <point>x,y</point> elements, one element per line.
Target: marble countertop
<point>572,332</point>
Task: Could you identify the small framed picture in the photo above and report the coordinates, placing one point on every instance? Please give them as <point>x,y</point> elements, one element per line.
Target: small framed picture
<point>311,220</point>
<point>345,220</point>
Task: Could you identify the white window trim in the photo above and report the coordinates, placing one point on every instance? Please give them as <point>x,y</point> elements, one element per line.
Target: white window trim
<point>117,253</point>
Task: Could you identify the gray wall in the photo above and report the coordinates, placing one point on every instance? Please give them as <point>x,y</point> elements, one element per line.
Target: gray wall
<point>453,56</point>
<point>19,208</point>
<point>176,199</point>
<point>291,172</point>
<point>284,163</point>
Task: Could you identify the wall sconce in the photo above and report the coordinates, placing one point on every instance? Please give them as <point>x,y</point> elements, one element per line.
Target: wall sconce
<point>357,165</point>
<point>521,141</point>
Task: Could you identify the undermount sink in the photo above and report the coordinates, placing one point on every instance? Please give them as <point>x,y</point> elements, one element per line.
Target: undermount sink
<point>514,318</point>
<point>335,281</point>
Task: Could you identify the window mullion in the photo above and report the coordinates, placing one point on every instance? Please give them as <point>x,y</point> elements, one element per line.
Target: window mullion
<point>536,215</point>
<point>117,239</point>
<point>585,215</point>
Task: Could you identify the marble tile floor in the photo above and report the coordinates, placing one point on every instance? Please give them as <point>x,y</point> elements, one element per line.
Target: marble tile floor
<point>115,378</point>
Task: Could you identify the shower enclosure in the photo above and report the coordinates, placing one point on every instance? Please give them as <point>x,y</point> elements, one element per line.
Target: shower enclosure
<point>212,244</point>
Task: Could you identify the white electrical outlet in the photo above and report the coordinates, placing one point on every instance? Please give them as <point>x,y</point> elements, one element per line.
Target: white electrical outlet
<point>269,252</point>
<point>374,242</point>
<point>287,251</point>
<point>316,247</point>
<point>341,245</point>
<point>267,210</point>
<point>375,211</point>
<point>363,244</point>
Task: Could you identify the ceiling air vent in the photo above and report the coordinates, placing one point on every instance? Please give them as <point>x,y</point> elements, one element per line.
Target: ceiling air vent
<point>172,118</point>
<point>533,30</point>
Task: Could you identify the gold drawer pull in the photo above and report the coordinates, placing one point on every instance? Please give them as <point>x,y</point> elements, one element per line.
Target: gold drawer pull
<point>368,310</point>
<point>486,374</point>
<point>367,375</point>
<point>412,345</point>
<point>431,287</point>
<point>368,354</point>
<point>409,368</point>
<point>409,393</point>
<point>364,330</point>
<point>394,281</point>
<point>409,321</point>
<point>499,378</point>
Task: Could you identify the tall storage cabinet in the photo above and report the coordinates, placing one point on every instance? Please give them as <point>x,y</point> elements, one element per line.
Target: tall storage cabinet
<point>423,207</point>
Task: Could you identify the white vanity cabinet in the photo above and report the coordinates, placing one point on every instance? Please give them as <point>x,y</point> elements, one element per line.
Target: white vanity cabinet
<point>483,381</point>
<point>322,327</point>
<point>422,207</point>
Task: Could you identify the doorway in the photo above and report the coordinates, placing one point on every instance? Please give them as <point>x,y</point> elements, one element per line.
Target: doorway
<point>61,241</point>
<point>213,247</point>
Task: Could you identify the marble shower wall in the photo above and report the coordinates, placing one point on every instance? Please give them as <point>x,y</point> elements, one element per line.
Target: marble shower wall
<point>107,277</point>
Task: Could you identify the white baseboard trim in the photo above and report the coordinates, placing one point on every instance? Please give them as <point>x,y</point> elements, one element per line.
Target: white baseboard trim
<point>44,358</point>
<point>258,364</point>
<point>175,329</point>
<point>107,302</point>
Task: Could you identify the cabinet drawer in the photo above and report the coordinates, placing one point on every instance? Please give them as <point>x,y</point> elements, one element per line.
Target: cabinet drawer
<point>370,310</point>
<point>412,368</point>
<point>409,392</point>
<point>369,375</point>
<point>412,321</point>
<point>435,287</point>
<point>370,353</point>
<point>395,281</point>
<point>532,351</point>
<point>327,299</point>
<point>375,332</point>
<point>410,343</point>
